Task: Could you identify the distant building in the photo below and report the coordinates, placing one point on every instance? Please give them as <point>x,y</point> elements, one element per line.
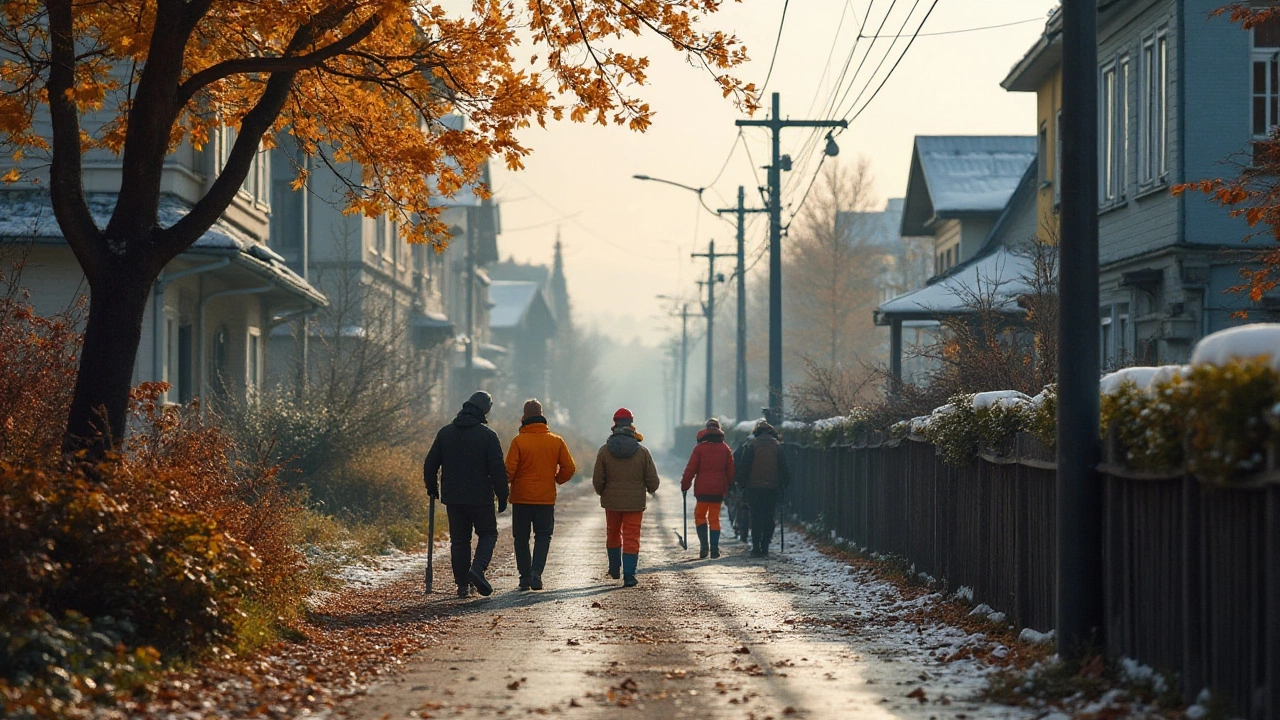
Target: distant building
<point>1166,262</point>
<point>522,322</point>
<point>961,193</point>
<point>212,310</point>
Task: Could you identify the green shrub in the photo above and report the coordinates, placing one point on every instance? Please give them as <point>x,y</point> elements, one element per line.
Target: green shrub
<point>1231,418</point>
<point>1040,417</point>
<point>846,429</point>
<point>953,430</point>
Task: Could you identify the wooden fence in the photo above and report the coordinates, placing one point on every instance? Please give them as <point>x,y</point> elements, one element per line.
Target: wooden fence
<point>1191,570</point>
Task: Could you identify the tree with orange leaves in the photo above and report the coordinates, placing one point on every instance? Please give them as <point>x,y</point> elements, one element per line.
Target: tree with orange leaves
<point>1255,193</point>
<point>367,81</point>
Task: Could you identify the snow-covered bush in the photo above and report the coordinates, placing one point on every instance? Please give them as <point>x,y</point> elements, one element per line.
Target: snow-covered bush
<point>839,430</point>
<point>1148,424</point>
<point>1040,417</point>
<point>1232,417</point>
<point>953,430</point>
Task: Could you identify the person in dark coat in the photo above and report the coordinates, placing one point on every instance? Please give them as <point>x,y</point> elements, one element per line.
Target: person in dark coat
<point>468,457</point>
<point>764,469</point>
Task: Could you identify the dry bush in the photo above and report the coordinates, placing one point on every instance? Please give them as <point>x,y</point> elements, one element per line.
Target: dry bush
<point>37,375</point>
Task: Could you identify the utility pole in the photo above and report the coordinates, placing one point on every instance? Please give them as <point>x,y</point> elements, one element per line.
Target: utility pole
<point>778,163</point>
<point>709,311</point>
<point>684,360</point>
<point>740,376</point>
<point>1080,609</point>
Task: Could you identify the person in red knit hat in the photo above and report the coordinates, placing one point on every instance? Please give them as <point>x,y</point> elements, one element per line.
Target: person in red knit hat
<point>624,472</point>
<point>709,473</point>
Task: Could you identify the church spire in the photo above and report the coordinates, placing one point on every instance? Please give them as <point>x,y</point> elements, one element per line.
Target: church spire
<point>559,287</point>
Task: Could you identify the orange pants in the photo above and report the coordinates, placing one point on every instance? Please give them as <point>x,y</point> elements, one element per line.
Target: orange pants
<point>707,511</point>
<point>622,529</point>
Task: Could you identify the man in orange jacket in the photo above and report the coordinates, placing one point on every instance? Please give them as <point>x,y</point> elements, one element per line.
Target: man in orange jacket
<point>537,462</point>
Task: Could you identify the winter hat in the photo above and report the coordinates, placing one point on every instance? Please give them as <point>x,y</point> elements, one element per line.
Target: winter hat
<point>623,416</point>
<point>763,427</point>
<point>481,401</point>
<point>713,423</point>
<point>532,408</point>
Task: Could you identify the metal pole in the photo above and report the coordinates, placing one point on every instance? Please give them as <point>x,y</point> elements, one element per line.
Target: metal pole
<point>740,374</point>
<point>740,384</point>
<point>1080,611</point>
<point>684,357</point>
<point>711,326</point>
<point>775,123</point>
<point>775,264</point>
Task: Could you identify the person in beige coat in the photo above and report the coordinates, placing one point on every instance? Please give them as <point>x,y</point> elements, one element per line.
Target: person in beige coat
<point>624,473</point>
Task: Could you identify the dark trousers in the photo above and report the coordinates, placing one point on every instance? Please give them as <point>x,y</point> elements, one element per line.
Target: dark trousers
<point>463,520</point>
<point>541,519</point>
<point>764,505</point>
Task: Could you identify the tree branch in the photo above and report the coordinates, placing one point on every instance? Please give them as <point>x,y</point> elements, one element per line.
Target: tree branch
<point>271,65</point>
<point>66,185</point>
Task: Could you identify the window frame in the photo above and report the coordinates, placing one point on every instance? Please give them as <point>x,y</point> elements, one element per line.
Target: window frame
<point>1113,125</point>
<point>1153,108</point>
<point>1270,58</point>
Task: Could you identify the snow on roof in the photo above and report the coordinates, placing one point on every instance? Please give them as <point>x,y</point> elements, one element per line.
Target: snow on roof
<point>511,300</point>
<point>949,295</point>
<point>1244,342</point>
<point>975,173</point>
<point>28,215</point>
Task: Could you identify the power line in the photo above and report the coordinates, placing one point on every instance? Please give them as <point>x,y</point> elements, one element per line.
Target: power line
<point>888,51</point>
<point>973,29</point>
<point>895,64</point>
<point>776,44</point>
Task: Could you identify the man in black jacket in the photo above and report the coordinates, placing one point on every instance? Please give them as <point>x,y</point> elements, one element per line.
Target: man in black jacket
<point>763,468</point>
<point>470,456</point>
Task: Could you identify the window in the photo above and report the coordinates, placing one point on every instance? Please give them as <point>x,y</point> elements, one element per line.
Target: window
<point>1266,83</point>
<point>1042,149</point>
<point>380,235</point>
<point>253,363</point>
<point>262,177</point>
<point>1113,103</point>
<point>1154,133</point>
<point>1057,159</point>
<point>286,203</point>
<point>1106,337</point>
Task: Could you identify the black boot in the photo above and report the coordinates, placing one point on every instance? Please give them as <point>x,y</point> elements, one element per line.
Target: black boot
<point>702,541</point>
<point>615,562</point>
<point>715,543</point>
<point>481,584</point>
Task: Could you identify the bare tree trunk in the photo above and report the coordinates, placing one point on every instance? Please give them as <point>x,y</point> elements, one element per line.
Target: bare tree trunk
<point>100,405</point>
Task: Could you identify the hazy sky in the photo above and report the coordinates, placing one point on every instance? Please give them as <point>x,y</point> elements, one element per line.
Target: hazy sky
<point>627,240</point>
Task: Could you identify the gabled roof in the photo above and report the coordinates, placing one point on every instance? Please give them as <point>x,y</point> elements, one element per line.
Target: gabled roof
<point>962,176</point>
<point>512,301</point>
<point>876,228</point>
<point>998,262</point>
<point>1043,57</point>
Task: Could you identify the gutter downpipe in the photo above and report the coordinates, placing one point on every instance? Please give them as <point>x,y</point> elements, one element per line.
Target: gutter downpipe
<point>204,360</point>
<point>159,341</point>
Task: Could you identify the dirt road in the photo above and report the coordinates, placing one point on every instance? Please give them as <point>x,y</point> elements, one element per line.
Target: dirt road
<point>795,635</point>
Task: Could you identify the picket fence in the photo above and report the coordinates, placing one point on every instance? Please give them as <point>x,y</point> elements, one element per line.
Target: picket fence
<point>1191,569</point>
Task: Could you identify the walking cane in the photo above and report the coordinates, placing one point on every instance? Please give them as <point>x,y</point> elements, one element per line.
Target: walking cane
<point>782,527</point>
<point>684,539</point>
<point>431,542</point>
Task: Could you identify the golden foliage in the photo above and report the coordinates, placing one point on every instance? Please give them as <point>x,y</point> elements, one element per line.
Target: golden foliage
<point>369,81</point>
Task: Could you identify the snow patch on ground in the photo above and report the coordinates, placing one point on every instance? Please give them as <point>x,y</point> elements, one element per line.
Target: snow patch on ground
<point>1034,636</point>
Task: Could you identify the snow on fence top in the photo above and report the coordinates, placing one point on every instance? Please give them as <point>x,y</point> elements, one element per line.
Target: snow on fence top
<point>1006,398</point>
<point>1240,343</point>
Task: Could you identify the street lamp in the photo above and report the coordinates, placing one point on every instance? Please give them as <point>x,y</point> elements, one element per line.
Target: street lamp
<point>690,188</point>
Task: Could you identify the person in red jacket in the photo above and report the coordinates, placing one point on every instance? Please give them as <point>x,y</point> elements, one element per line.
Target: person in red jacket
<point>709,472</point>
